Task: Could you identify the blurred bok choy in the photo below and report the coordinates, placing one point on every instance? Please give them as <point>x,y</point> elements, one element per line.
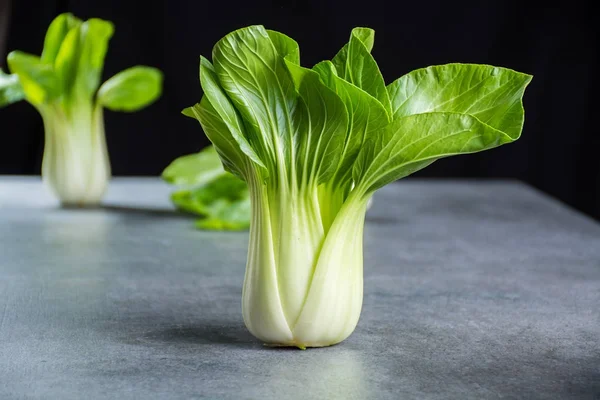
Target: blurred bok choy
<point>63,84</point>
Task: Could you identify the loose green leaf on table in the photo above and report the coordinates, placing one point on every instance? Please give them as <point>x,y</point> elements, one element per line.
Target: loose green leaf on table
<point>208,191</point>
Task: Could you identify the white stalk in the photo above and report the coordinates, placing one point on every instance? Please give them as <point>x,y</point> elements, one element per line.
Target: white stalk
<point>303,286</point>
<point>75,165</point>
<point>334,300</point>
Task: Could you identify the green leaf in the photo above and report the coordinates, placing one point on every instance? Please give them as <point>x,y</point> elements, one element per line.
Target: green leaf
<point>366,115</point>
<point>366,36</point>
<point>131,89</point>
<point>286,46</point>
<point>215,101</point>
<point>339,61</point>
<point>80,60</point>
<point>218,196</point>
<point>337,128</point>
<point>363,72</point>
<point>10,89</point>
<point>38,80</point>
<point>321,121</point>
<point>356,65</point>
<point>95,35</point>
<point>57,31</point>
<point>254,76</point>
<point>67,58</point>
<point>235,220</point>
<point>224,203</point>
<point>491,94</point>
<point>218,133</point>
<point>194,169</point>
<point>412,143</point>
<point>442,111</point>
<point>189,111</point>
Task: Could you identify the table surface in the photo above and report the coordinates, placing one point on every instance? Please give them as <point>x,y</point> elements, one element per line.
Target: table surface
<point>473,290</point>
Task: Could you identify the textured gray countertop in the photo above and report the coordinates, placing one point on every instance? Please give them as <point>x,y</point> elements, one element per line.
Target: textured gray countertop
<point>472,291</point>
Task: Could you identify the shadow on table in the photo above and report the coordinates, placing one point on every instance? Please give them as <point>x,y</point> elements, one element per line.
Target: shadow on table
<point>144,211</point>
<point>132,210</point>
<point>233,335</point>
<point>148,212</point>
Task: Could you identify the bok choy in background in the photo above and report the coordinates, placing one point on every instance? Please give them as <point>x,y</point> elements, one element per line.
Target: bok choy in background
<point>63,85</point>
<point>314,144</point>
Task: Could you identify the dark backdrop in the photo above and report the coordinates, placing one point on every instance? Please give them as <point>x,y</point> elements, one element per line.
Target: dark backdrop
<point>557,44</point>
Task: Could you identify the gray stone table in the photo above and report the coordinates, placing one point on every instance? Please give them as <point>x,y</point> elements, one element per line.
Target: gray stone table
<point>473,290</point>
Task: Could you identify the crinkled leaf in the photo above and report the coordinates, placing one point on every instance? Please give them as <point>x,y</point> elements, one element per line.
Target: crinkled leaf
<point>215,101</point>
<point>131,89</point>
<point>254,76</point>
<point>292,122</point>
<point>260,102</point>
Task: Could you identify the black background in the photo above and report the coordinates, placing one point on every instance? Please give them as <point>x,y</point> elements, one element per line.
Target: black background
<point>556,43</point>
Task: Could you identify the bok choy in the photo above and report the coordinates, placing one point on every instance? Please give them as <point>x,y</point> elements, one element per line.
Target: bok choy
<point>62,85</point>
<point>314,144</point>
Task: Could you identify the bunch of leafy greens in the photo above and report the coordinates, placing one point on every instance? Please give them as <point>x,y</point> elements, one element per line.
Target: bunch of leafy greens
<point>313,144</point>
<point>63,85</point>
<point>207,190</point>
